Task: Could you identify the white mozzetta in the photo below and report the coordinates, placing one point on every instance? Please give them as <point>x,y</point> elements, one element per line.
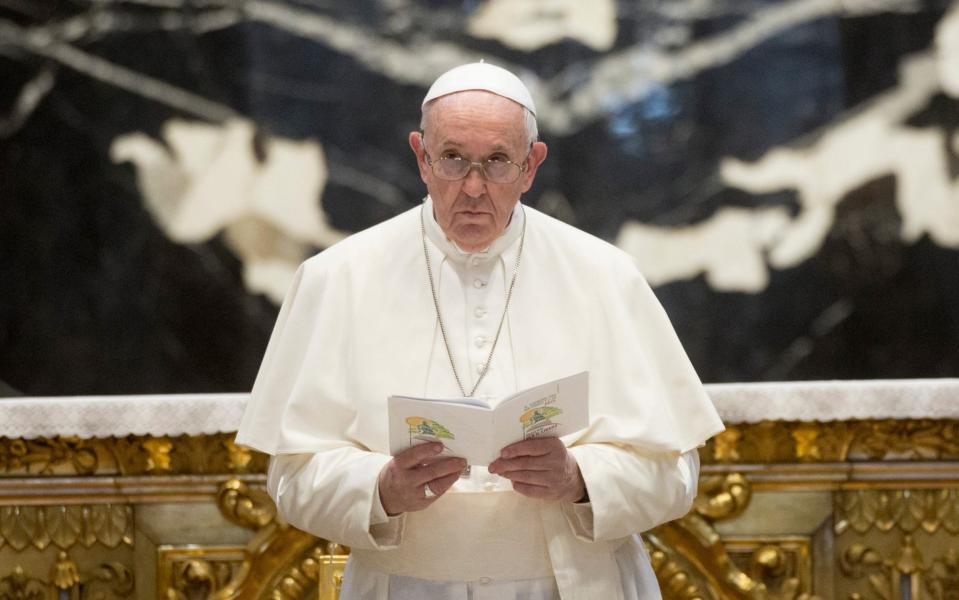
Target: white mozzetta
<point>194,414</point>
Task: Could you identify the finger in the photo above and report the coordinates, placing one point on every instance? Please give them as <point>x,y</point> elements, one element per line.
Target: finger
<point>412,457</point>
<point>522,463</point>
<point>534,447</point>
<point>441,468</point>
<point>543,478</point>
<point>441,485</point>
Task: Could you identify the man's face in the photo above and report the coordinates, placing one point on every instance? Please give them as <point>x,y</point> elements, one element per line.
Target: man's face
<point>475,126</point>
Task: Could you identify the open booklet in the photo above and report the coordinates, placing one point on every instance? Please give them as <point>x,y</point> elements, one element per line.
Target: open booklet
<point>477,430</point>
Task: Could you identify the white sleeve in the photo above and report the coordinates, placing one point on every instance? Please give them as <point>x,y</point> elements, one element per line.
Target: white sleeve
<point>630,491</point>
<point>334,495</point>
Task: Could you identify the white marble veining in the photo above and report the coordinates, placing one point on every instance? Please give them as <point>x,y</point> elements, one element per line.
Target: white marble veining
<point>210,181</point>
<point>735,248</point>
<point>867,144</point>
<point>531,24</point>
<point>728,248</point>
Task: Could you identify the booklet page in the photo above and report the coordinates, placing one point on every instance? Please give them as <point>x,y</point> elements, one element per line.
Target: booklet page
<point>471,429</point>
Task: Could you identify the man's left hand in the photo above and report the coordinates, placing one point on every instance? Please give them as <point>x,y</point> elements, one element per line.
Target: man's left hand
<point>541,468</point>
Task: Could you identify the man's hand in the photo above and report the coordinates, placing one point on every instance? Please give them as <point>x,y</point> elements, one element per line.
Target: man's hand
<point>541,468</point>
<point>403,480</point>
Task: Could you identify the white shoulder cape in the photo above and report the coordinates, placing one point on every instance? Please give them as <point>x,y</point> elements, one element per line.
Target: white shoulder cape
<point>358,323</point>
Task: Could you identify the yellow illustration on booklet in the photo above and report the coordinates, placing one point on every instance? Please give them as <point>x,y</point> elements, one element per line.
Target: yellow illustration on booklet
<point>477,429</point>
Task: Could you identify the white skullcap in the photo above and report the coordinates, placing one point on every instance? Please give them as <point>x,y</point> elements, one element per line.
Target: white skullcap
<point>481,76</point>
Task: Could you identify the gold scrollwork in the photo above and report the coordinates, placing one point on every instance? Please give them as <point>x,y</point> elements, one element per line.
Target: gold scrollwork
<point>129,455</point>
<point>722,496</point>
<point>886,577</point>
<point>43,456</point>
<point>18,586</point>
<point>942,579</point>
<point>245,506</point>
<point>781,564</point>
<point>109,580</point>
<point>321,568</point>
<point>906,439</point>
<point>675,581</point>
<point>106,582</point>
<point>185,573</point>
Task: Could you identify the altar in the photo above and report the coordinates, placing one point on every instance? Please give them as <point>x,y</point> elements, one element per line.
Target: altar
<point>846,490</point>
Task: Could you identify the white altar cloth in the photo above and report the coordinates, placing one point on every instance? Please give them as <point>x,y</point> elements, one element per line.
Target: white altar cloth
<point>195,414</point>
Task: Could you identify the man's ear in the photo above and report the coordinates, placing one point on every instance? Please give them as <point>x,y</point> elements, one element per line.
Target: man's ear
<point>419,149</point>
<point>537,155</point>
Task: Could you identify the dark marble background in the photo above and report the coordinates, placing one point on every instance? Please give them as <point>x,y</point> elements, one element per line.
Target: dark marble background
<point>96,296</point>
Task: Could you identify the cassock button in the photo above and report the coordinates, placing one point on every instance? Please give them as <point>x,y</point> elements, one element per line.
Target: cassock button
<point>478,283</point>
<point>489,486</point>
<point>480,341</point>
<point>479,312</point>
<point>476,260</point>
<point>485,581</point>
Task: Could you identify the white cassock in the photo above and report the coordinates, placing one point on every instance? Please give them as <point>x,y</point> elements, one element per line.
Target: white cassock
<point>359,324</point>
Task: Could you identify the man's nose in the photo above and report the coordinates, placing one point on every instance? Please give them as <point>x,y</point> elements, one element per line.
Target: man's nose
<point>474,184</point>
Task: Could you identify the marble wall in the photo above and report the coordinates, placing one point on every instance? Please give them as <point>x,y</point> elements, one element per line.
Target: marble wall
<point>786,172</point>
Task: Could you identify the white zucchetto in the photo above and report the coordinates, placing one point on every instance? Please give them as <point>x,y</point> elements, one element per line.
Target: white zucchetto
<point>481,76</point>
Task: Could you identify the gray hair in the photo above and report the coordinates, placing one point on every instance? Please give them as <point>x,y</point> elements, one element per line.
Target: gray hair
<point>529,122</point>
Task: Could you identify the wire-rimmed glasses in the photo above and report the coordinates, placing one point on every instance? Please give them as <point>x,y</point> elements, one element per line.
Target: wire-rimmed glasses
<point>494,170</point>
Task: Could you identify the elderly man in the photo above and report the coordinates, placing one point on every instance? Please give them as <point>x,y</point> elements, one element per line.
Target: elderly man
<point>473,294</point>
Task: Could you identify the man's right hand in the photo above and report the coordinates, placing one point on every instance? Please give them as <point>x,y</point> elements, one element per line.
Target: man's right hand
<point>403,480</point>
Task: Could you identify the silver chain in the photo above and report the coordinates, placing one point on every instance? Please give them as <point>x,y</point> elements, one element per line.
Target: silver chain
<point>439,318</point>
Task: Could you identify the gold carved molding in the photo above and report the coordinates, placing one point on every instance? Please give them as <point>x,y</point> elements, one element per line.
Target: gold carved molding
<point>280,562</point>
<point>691,561</point>
<point>905,510</point>
<point>749,443</point>
<point>130,455</point>
<point>834,441</point>
<point>899,543</point>
<point>66,526</point>
<point>283,563</point>
<point>107,581</point>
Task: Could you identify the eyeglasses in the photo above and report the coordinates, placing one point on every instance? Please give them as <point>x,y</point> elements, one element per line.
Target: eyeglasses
<point>494,170</point>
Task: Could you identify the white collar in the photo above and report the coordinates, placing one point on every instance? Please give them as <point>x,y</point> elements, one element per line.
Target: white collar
<point>449,248</point>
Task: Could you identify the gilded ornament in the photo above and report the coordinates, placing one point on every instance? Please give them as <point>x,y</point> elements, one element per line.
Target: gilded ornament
<point>45,456</point>
<point>17,586</point>
<point>942,580</point>
<point>20,526</point>
<point>674,581</point>
<point>834,441</point>
<point>806,437</point>
<point>245,506</point>
<point>111,524</point>
<point>725,445</point>
<point>722,496</point>
<point>158,454</point>
<point>110,580</point>
<point>906,510</point>
<point>64,524</point>
<point>65,574</point>
<point>240,456</point>
<point>886,577</point>
<point>769,560</point>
